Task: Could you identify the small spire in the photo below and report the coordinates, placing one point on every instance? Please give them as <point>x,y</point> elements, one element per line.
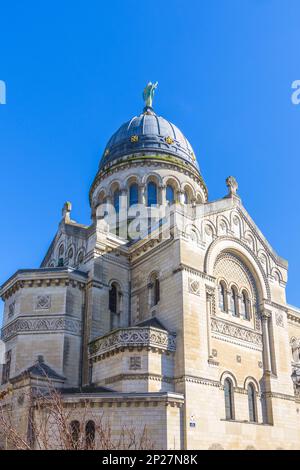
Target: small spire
<point>148,95</point>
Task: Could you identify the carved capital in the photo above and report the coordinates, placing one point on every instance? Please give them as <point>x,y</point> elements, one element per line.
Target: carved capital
<point>265,314</point>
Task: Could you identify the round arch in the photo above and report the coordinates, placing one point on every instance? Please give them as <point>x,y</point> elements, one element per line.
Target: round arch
<point>153,176</point>
<point>253,381</point>
<point>244,253</point>
<point>228,375</point>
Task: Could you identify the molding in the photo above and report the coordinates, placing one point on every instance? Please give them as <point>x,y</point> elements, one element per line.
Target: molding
<point>292,317</point>
<point>119,399</point>
<point>256,232</point>
<point>198,380</point>
<point>44,277</point>
<point>281,396</point>
<point>44,324</point>
<point>145,376</point>
<point>197,272</point>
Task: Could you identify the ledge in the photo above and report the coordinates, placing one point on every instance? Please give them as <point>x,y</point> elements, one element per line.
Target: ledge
<point>244,422</point>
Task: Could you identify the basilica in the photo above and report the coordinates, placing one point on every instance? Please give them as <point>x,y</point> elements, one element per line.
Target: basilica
<point>167,312</point>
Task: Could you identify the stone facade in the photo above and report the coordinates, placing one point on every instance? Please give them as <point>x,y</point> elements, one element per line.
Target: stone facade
<point>220,320</point>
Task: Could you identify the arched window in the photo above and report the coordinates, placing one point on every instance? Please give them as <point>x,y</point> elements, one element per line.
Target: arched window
<point>113,298</point>
<point>186,197</point>
<point>75,433</point>
<point>170,194</point>
<point>222,296</point>
<point>151,194</point>
<point>133,194</point>
<point>80,257</point>
<point>234,302</point>
<point>228,396</point>
<point>116,199</point>
<point>252,403</point>
<point>154,287</point>
<point>90,432</point>
<point>245,306</point>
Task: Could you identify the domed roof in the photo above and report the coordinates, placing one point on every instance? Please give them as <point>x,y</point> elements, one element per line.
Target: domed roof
<point>148,134</point>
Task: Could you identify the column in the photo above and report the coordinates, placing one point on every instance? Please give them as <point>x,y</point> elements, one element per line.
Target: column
<point>266,340</point>
<point>123,211</point>
<point>142,194</point>
<point>181,197</point>
<point>209,297</point>
<point>163,193</point>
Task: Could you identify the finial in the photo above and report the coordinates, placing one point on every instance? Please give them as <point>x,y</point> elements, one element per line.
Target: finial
<point>148,94</point>
<point>66,211</point>
<point>232,186</point>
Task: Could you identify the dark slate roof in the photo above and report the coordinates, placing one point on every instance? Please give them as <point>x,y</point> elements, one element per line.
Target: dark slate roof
<point>86,389</point>
<point>154,322</point>
<point>40,369</point>
<point>152,134</point>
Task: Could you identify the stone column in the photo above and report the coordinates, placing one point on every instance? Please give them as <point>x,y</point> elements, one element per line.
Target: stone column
<point>266,340</point>
<point>142,194</point>
<point>267,385</point>
<point>181,197</point>
<point>209,300</point>
<point>228,294</point>
<point>163,193</point>
<point>123,211</point>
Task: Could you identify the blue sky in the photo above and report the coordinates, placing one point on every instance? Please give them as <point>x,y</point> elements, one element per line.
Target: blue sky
<point>75,72</point>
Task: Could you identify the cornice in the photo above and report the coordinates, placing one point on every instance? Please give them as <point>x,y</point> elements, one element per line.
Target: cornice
<point>44,277</point>
<point>197,272</point>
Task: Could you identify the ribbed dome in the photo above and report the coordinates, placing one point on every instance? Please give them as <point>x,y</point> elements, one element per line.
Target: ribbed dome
<point>148,134</point>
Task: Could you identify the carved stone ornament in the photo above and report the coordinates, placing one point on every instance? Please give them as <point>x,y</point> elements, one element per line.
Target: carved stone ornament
<point>232,185</point>
<point>227,329</point>
<point>135,363</point>
<point>43,302</point>
<point>194,286</point>
<point>134,337</point>
<point>279,319</point>
<point>11,309</point>
<point>41,324</point>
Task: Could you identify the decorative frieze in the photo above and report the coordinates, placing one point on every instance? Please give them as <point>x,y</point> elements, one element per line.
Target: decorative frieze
<point>235,331</point>
<point>40,325</point>
<point>146,337</point>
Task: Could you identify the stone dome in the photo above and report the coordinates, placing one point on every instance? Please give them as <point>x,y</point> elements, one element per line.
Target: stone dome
<point>148,134</point>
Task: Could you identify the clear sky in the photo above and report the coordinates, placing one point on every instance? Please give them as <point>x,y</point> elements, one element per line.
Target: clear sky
<point>75,72</point>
